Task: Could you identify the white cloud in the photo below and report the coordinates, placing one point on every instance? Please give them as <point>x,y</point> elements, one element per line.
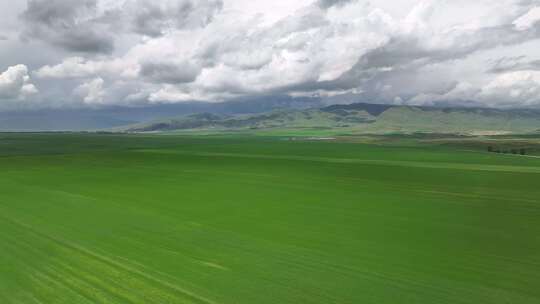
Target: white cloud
<point>181,50</point>
<point>528,20</point>
<point>15,83</point>
<point>91,92</point>
<point>504,90</point>
<point>507,89</point>
<point>78,67</point>
<point>269,11</point>
<point>420,14</point>
<point>72,67</point>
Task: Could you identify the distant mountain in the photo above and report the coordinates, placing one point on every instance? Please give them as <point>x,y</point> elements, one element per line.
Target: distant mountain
<point>310,118</point>
<point>361,118</point>
<point>284,113</point>
<point>111,117</point>
<point>373,109</point>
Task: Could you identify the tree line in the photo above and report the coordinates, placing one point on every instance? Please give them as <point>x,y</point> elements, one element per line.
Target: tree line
<point>521,151</point>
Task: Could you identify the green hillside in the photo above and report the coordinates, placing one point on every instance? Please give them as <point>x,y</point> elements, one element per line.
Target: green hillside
<point>414,119</point>
<point>312,118</point>
<point>362,118</point>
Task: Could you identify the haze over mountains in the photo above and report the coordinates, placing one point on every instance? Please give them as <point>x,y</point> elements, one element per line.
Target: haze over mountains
<point>278,114</point>
<point>362,118</point>
<point>83,119</point>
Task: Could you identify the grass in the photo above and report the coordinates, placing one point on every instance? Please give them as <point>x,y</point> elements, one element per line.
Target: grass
<point>251,219</point>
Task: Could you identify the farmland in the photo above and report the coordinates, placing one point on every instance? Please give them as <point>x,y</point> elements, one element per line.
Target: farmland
<point>114,218</point>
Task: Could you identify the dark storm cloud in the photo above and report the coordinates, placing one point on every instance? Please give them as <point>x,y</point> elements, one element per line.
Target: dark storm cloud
<point>85,40</point>
<point>78,26</point>
<point>57,12</point>
<point>66,24</point>
<point>153,18</point>
<point>516,63</point>
<point>330,3</point>
<point>160,72</point>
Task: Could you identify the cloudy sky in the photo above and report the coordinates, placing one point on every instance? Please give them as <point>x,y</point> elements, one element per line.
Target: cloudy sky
<point>90,53</point>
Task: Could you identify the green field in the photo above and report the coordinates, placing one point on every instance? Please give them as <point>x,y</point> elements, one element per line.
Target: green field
<point>88,218</point>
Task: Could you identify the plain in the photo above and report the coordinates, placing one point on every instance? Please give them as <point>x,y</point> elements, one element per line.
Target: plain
<point>88,218</point>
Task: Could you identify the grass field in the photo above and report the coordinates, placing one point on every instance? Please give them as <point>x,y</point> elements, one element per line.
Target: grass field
<point>90,218</point>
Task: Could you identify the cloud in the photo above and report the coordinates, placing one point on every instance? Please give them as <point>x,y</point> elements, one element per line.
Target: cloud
<point>514,63</point>
<point>460,94</point>
<point>508,89</point>
<point>504,90</point>
<point>78,67</point>
<point>87,26</point>
<point>173,73</point>
<point>72,67</point>
<point>330,3</point>
<point>70,25</point>
<point>181,50</point>
<point>155,18</point>
<point>412,45</point>
<point>91,92</point>
<point>15,83</point>
<point>528,20</point>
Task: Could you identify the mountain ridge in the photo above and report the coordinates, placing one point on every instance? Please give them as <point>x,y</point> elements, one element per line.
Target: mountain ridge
<point>362,118</point>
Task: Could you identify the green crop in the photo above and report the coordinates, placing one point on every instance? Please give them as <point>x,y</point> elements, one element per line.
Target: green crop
<point>90,218</point>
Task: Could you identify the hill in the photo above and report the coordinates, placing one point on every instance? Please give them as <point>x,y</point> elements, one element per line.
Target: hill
<point>361,118</point>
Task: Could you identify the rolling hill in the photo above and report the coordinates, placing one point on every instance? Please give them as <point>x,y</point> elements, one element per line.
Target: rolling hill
<point>361,118</point>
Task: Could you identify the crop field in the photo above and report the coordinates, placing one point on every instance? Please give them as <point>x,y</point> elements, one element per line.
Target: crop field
<point>89,218</point>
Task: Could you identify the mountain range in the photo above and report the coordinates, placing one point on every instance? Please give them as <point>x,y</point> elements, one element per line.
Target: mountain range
<point>285,114</point>
<point>360,118</point>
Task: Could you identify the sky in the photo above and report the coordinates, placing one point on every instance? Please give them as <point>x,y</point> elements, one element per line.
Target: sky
<point>98,53</point>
